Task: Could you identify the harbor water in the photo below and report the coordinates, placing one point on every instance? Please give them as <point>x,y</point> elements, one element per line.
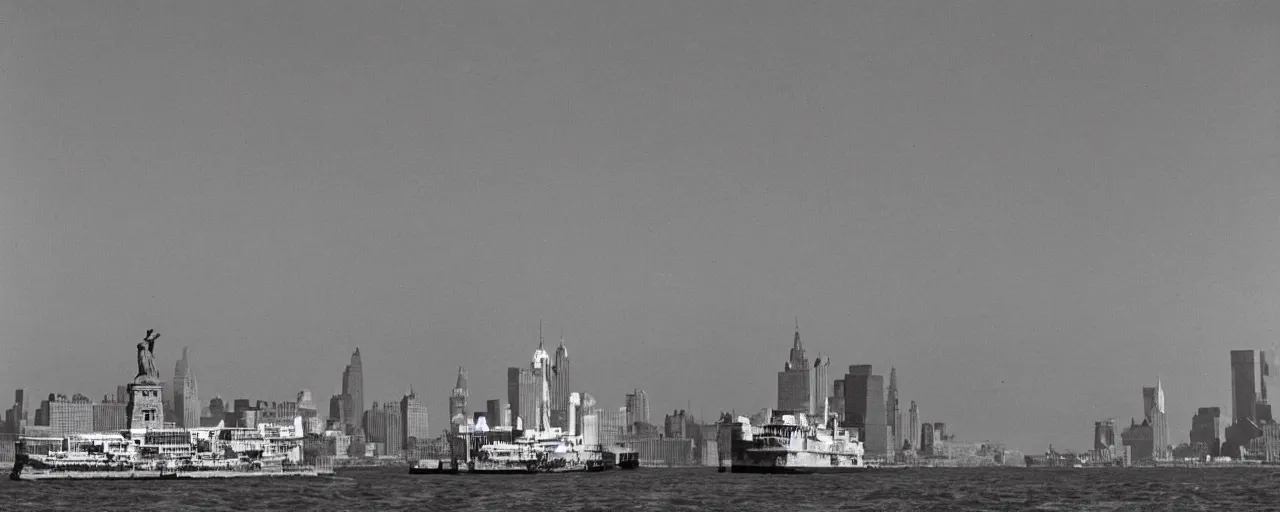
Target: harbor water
<point>680,489</point>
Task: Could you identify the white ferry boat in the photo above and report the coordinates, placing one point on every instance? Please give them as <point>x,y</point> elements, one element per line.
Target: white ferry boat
<point>535,452</point>
<point>215,452</point>
<point>789,444</point>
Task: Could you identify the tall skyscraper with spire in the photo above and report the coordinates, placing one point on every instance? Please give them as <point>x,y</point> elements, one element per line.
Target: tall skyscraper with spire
<point>353,388</point>
<point>1159,426</point>
<point>894,414</point>
<point>794,379</point>
<point>1154,414</point>
<point>560,387</point>
<point>186,395</point>
<point>458,398</point>
<point>542,371</point>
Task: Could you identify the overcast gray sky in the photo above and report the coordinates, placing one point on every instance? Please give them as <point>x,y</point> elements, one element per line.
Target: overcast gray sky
<point>1031,209</point>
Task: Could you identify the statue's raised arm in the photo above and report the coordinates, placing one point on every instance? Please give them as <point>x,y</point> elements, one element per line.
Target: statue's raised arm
<point>147,373</point>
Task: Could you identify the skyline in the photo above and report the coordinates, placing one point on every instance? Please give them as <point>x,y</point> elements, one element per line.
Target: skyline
<point>1030,209</point>
<point>1153,397</point>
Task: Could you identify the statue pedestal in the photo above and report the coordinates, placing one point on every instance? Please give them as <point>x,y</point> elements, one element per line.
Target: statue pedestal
<point>146,406</point>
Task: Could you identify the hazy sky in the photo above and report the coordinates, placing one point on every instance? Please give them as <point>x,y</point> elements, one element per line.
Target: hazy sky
<point>1031,209</point>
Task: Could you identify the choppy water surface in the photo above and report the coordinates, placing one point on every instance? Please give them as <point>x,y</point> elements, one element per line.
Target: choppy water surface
<point>694,489</point>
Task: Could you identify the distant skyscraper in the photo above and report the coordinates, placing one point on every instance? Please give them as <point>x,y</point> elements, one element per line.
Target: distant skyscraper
<point>167,398</point>
<point>913,425</point>
<point>1243,386</point>
<point>928,438</point>
<point>1140,440</point>
<point>560,388</point>
<point>1104,434</point>
<point>16,417</point>
<point>837,400</point>
<point>306,407</point>
<point>458,397</point>
<point>493,413</point>
<point>339,408</point>
<point>865,402</point>
<point>186,395</point>
<point>1262,409</point>
<point>413,420</point>
<point>373,424</point>
<point>353,387</point>
<point>542,370</point>
<point>218,410</point>
<point>821,391</point>
<point>1158,420</point>
<point>855,392</point>
<point>637,409</point>
<point>1206,432</point>
<point>394,434</point>
<point>522,396</point>
<point>793,380</point>
<point>893,413</point>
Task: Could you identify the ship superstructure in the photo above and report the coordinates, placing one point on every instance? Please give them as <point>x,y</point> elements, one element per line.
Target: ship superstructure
<point>790,444</point>
<point>209,452</point>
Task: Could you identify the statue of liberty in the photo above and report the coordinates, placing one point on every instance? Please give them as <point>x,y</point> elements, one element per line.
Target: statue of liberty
<point>147,373</point>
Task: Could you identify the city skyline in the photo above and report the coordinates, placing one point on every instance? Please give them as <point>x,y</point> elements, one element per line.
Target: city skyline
<point>1244,368</point>
<point>1030,209</point>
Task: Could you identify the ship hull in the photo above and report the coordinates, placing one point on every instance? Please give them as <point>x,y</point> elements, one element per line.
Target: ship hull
<point>532,468</point>
<point>155,475</point>
<point>434,467</point>
<point>797,470</point>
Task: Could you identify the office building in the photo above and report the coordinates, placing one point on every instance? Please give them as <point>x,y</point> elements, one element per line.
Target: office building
<point>636,409</point>
<point>494,413</point>
<point>794,379</point>
<point>913,424</point>
<point>110,415</point>
<point>1243,386</point>
<point>1104,434</point>
<point>865,402</point>
<point>837,400</point>
<point>458,397</point>
<point>413,414</point>
<point>66,417</point>
<point>15,418</point>
<point>560,387</point>
<point>1262,409</point>
<point>821,392</point>
<point>893,416</point>
<point>186,395</point>
<point>1139,439</point>
<point>1154,414</point>
<point>1206,428</point>
<point>353,388</point>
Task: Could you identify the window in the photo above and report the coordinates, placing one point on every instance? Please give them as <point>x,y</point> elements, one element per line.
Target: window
<point>148,415</point>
